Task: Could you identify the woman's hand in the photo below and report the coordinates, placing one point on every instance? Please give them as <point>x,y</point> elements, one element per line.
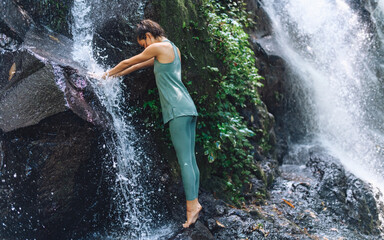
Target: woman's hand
<point>105,75</point>
<point>98,76</point>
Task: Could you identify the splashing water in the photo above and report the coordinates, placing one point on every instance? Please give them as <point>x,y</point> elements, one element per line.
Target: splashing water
<point>333,56</point>
<point>133,195</point>
<point>82,31</point>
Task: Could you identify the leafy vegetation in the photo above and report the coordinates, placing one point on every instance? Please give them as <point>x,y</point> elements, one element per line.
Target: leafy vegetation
<point>225,136</point>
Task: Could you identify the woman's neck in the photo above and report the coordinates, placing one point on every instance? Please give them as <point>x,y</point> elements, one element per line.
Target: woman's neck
<point>160,39</point>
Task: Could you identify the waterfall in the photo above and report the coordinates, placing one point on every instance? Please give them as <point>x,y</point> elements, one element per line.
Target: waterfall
<point>334,60</point>
<point>133,195</point>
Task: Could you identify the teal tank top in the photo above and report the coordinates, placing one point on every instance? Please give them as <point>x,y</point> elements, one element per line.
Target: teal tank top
<point>174,97</point>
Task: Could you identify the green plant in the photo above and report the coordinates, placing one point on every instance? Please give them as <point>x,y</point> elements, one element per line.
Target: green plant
<point>224,133</point>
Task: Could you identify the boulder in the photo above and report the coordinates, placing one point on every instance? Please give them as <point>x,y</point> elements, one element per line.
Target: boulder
<point>14,19</point>
<point>50,155</point>
<point>45,80</point>
<point>31,95</point>
<point>325,199</point>
<point>344,194</point>
<point>51,179</point>
<point>40,89</point>
<point>196,232</point>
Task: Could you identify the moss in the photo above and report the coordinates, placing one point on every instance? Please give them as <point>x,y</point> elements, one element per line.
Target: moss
<point>259,172</point>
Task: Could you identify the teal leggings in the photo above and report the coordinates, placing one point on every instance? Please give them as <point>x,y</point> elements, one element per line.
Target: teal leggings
<point>183,131</point>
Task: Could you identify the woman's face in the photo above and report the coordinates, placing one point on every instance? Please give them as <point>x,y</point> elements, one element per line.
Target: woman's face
<point>143,42</point>
<point>148,40</point>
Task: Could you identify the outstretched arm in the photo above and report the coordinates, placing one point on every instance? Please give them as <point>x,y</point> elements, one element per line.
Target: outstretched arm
<point>136,67</point>
<point>143,59</point>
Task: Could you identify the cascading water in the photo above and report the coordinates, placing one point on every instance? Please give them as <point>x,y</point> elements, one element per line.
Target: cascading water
<point>376,7</point>
<point>133,195</point>
<point>336,80</point>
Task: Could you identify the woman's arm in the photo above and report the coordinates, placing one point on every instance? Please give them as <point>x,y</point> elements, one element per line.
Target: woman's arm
<point>148,53</point>
<point>136,67</point>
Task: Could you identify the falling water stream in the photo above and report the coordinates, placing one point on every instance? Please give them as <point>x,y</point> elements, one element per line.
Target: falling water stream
<point>337,78</point>
<point>133,195</point>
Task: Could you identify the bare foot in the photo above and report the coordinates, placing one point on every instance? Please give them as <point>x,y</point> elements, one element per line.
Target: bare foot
<point>193,210</point>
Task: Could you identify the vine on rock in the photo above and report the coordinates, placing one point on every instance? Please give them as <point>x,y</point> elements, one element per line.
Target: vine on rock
<point>225,136</point>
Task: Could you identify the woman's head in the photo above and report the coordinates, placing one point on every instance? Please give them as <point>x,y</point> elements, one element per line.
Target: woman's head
<point>149,26</point>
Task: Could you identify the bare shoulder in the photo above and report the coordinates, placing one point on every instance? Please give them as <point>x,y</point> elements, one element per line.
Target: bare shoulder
<point>161,45</point>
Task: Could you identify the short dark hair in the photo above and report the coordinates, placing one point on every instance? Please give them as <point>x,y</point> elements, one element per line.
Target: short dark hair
<point>150,26</point>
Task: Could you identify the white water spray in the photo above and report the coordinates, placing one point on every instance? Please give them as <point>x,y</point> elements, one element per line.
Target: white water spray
<point>132,193</point>
<point>332,54</point>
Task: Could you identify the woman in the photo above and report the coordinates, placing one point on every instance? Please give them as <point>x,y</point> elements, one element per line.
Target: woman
<point>177,106</point>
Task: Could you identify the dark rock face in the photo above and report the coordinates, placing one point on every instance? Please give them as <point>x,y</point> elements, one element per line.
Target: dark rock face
<point>268,62</point>
<point>40,89</point>
<point>19,106</point>
<point>49,145</point>
<point>345,195</point>
<point>273,68</point>
<point>221,221</point>
<point>45,81</point>
<point>313,201</point>
<point>115,40</point>
<point>328,201</point>
<point>15,19</point>
<point>198,232</point>
<point>50,176</point>
<point>53,14</point>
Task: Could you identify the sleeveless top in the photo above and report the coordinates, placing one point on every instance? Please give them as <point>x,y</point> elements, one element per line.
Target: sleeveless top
<point>174,97</point>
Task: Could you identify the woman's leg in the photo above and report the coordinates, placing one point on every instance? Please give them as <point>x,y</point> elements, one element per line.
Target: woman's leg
<point>181,136</point>
<point>194,164</point>
<point>182,131</point>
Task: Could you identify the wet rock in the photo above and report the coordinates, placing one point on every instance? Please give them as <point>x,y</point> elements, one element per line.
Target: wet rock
<point>344,194</point>
<point>263,25</point>
<point>40,89</point>
<point>55,15</point>
<point>273,68</point>
<point>270,65</point>
<point>219,220</point>
<point>197,232</point>
<point>220,209</point>
<point>50,179</point>
<point>25,103</point>
<point>323,198</point>
<point>307,216</point>
<point>46,81</point>
<point>50,161</point>
<point>8,40</point>
<point>14,19</point>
